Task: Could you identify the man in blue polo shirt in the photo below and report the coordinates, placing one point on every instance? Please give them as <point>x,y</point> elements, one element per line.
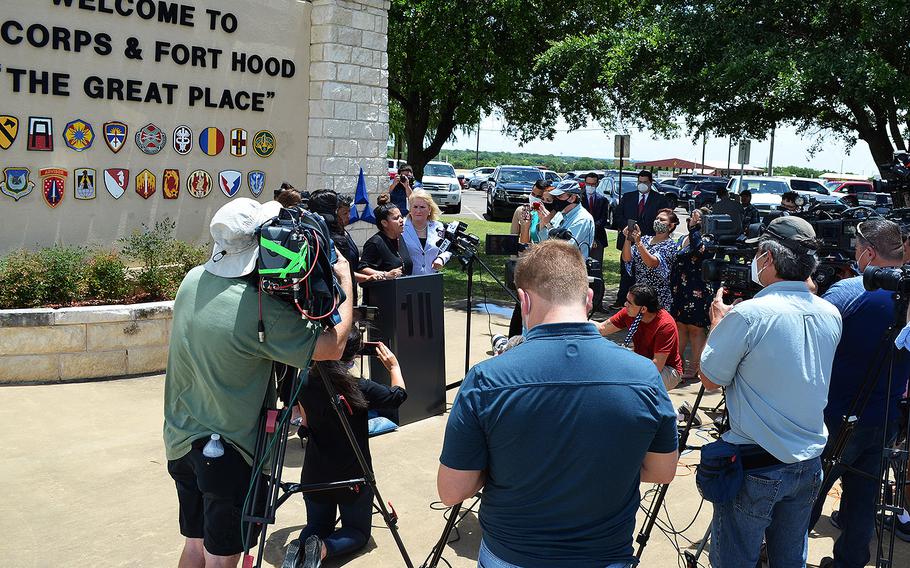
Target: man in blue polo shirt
<point>867,317</point>
<point>558,431</point>
<point>575,219</point>
<point>773,354</point>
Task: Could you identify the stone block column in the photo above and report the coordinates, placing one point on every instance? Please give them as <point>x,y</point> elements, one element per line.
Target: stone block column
<point>349,110</point>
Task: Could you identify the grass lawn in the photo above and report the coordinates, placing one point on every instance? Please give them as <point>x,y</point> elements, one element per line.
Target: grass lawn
<point>456,278</point>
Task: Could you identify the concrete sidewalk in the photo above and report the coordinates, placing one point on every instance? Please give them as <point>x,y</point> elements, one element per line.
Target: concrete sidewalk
<point>86,480</point>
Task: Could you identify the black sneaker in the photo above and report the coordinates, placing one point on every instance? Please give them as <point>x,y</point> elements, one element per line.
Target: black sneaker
<point>902,530</point>
<point>312,551</point>
<point>834,521</point>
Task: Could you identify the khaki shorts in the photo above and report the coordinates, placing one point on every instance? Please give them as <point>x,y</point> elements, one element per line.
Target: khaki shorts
<point>670,377</point>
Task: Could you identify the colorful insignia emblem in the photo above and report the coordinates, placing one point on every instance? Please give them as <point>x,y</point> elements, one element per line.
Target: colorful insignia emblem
<point>256,180</point>
<point>145,184</point>
<point>264,143</point>
<point>115,135</point>
<point>211,141</point>
<point>170,184</point>
<point>199,183</point>
<point>150,139</point>
<point>230,181</point>
<point>9,127</point>
<point>116,180</point>
<point>238,142</point>
<point>54,185</point>
<point>84,183</point>
<point>16,183</point>
<point>40,134</point>
<point>183,140</point>
<point>78,135</point>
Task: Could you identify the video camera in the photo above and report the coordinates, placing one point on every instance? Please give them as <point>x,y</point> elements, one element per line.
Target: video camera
<point>892,279</point>
<point>730,266</point>
<point>895,179</point>
<point>296,254</point>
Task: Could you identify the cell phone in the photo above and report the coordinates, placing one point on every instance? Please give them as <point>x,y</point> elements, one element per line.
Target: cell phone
<point>369,349</point>
<point>630,223</point>
<point>537,206</point>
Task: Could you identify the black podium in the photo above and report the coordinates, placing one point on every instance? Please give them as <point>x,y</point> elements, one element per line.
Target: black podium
<point>410,322</point>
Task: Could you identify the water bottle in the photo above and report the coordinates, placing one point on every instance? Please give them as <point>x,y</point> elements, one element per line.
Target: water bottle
<point>213,448</point>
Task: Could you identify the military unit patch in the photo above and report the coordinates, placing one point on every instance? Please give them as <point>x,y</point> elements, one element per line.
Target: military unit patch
<point>116,180</point>
<point>115,135</point>
<point>230,181</point>
<point>150,139</point>
<point>170,184</point>
<point>183,140</point>
<point>9,127</point>
<point>40,134</point>
<point>78,135</point>
<point>16,183</point>
<point>145,184</point>
<point>53,181</point>
<point>256,180</point>
<point>199,184</point>
<point>84,183</point>
<point>211,141</point>
<point>238,142</point>
<point>264,143</point>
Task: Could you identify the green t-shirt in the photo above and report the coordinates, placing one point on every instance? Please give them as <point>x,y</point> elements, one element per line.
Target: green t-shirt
<point>217,370</point>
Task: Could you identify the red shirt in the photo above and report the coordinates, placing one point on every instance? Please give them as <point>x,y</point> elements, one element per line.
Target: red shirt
<point>657,336</point>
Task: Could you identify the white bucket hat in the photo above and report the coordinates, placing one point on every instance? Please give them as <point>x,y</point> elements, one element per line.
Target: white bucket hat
<point>233,229</point>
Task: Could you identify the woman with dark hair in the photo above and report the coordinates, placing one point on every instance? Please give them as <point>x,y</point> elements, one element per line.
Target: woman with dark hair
<point>653,257</point>
<point>380,256</point>
<point>692,296</point>
<point>330,457</point>
<point>336,209</point>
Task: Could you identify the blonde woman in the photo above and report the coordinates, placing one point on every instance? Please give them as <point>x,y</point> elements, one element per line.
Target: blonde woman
<point>423,233</point>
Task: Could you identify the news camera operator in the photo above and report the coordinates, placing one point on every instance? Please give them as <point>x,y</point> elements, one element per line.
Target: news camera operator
<point>401,187</point>
<point>217,380</point>
<point>773,354</point>
<point>329,456</point>
<point>381,258</point>
<point>867,316</point>
<point>423,233</point>
<point>616,428</point>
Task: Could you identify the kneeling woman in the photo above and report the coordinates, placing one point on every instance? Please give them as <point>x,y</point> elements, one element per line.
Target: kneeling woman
<point>329,456</point>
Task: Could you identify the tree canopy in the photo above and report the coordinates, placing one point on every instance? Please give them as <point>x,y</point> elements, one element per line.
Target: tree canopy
<point>738,68</point>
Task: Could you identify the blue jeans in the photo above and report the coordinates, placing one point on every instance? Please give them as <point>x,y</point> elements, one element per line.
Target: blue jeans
<point>857,504</point>
<point>355,523</point>
<point>486,559</point>
<point>774,504</point>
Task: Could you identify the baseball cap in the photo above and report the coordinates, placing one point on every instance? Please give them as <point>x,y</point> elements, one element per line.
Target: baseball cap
<point>572,189</point>
<point>233,229</point>
<point>790,230</point>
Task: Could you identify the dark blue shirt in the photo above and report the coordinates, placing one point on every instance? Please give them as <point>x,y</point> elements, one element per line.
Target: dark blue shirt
<point>866,316</point>
<point>560,424</point>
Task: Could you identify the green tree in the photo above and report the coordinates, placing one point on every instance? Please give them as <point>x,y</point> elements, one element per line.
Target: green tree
<point>738,68</point>
<point>453,61</point>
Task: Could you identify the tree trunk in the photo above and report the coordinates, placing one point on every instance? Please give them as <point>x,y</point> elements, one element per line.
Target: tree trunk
<point>879,145</point>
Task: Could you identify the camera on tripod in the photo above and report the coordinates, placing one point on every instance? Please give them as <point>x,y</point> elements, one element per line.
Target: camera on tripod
<point>459,242</point>
<point>895,179</point>
<point>730,267</point>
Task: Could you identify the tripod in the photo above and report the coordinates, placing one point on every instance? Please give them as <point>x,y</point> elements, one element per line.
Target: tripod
<point>468,257</point>
<point>273,434</point>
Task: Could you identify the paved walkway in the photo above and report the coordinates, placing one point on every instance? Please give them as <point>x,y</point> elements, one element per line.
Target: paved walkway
<point>84,476</point>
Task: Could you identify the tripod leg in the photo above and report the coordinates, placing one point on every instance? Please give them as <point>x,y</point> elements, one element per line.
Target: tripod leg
<point>470,306</point>
<point>444,538</point>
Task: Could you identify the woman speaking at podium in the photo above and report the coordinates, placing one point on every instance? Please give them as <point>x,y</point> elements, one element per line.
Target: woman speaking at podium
<point>423,234</point>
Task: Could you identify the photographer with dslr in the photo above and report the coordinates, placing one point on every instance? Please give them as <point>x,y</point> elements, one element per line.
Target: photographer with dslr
<point>867,316</point>
<point>401,187</point>
<point>773,354</point>
<point>217,379</point>
<point>609,422</point>
<point>329,456</point>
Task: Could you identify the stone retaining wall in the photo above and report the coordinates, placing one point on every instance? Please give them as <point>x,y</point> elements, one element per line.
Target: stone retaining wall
<point>45,345</point>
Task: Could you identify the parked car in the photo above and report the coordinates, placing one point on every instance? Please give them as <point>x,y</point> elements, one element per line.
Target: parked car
<point>766,191</point>
<point>812,190</point>
<point>478,177</point>
<point>842,188</point>
<point>683,180</point>
<point>440,180</point>
<point>508,187</point>
<point>551,176</point>
<point>672,192</point>
<point>702,192</point>
<point>580,174</point>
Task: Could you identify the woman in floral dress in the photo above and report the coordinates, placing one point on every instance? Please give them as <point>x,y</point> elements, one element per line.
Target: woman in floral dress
<point>691,293</point>
<point>654,257</point>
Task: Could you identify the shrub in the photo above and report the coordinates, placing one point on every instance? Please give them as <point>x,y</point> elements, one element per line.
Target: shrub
<point>106,276</point>
<point>184,257</point>
<point>21,280</point>
<point>153,249</point>
<point>63,274</point>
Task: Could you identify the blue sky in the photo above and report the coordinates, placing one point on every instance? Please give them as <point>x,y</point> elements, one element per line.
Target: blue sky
<point>789,148</point>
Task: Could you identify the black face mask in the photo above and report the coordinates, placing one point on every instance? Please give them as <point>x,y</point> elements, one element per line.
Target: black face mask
<point>558,205</point>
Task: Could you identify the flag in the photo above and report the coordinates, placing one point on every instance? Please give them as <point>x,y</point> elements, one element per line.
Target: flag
<point>361,198</point>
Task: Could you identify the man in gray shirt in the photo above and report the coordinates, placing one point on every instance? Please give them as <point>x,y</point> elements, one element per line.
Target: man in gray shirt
<point>774,355</point>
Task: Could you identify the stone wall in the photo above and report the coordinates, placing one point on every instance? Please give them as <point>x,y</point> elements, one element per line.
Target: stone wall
<point>45,345</point>
<point>348,106</point>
